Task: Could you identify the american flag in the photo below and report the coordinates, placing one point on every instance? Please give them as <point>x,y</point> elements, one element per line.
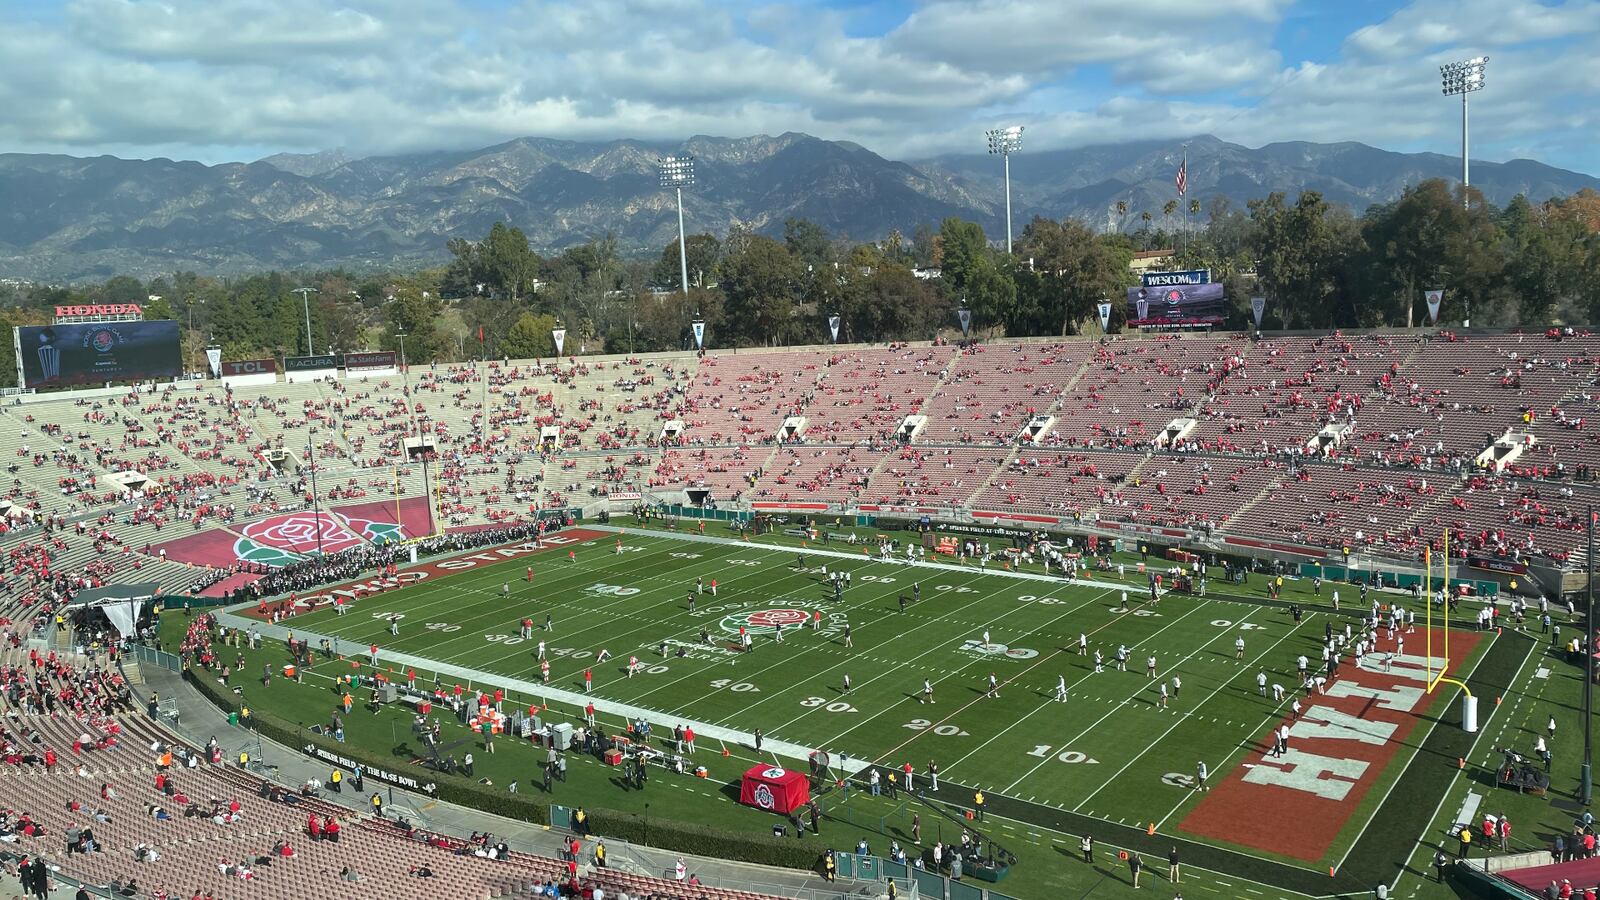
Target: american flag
<point>1183,177</point>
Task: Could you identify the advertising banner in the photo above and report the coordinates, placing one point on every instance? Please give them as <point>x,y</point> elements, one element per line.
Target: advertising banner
<point>369,362</point>
<point>1188,304</point>
<point>309,363</point>
<point>1494,564</point>
<point>95,352</point>
<point>1164,279</point>
<point>99,309</point>
<point>237,367</point>
<point>310,368</point>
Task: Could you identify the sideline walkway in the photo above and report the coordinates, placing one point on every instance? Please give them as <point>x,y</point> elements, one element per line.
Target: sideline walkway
<point>199,720</point>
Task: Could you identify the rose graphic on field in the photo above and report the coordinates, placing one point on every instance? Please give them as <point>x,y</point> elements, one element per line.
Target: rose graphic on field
<point>377,532</point>
<point>768,619</point>
<point>283,539</point>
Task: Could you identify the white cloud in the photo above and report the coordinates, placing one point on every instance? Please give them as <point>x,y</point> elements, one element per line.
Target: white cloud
<point>229,79</point>
<point>231,32</point>
<point>1043,36</point>
<point>1430,25</point>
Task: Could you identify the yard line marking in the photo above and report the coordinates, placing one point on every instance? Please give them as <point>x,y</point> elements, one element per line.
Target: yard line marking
<point>1114,620</point>
<point>1143,686</point>
<point>451,591</point>
<point>1222,767</point>
<point>1020,607</point>
<point>603,608</point>
<point>827,647</point>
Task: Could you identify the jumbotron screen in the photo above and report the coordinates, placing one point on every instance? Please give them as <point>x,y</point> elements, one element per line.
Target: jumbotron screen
<point>96,352</point>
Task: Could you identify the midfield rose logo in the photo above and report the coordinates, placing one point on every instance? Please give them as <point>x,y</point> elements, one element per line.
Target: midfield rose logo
<point>283,539</point>
<point>766,619</point>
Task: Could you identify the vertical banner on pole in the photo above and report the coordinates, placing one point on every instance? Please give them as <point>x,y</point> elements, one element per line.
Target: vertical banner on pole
<point>965,316</point>
<point>214,357</point>
<point>1258,306</point>
<point>699,334</point>
<point>833,328</point>
<point>1435,298</point>
<point>1105,315</point>
<point>560,334</point>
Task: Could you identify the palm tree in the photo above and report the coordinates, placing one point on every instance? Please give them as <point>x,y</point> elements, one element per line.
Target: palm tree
<point>1122,213</point>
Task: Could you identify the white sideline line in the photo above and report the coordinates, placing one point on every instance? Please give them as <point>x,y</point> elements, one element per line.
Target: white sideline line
<point>894,560</point>
<point>546,693</point>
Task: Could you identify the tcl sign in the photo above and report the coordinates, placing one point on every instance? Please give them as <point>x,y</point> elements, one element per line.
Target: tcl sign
<point>268,366</point>
<point>100,309</point>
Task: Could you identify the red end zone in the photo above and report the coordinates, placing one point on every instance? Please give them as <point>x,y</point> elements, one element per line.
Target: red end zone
<point>422,571</point>
<point>1296,804</point>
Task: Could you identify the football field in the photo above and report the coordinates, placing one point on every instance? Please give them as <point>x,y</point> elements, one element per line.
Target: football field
<point>1055,738</point>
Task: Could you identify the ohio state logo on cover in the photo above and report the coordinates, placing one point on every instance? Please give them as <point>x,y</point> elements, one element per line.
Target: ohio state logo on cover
<point>763,797</point>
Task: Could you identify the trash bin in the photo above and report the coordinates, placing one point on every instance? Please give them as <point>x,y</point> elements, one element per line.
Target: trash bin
<point>233,718</point>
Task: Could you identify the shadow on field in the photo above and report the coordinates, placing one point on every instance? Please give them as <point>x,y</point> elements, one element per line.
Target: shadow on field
<point>1106,874</point>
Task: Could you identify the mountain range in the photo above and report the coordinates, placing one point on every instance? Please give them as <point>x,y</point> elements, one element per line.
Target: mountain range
<point>70,218</point>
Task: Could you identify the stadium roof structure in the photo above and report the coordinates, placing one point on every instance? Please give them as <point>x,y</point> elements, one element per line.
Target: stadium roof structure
<point>116,593</point>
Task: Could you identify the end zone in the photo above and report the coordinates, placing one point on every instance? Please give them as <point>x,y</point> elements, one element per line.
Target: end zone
<point>1297,802</point>
<point>422,571</point>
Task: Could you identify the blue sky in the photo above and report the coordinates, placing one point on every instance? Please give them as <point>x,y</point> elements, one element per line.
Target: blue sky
<point>220,80</point>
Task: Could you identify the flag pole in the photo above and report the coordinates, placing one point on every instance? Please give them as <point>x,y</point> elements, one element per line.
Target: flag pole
<point>1183,183</point>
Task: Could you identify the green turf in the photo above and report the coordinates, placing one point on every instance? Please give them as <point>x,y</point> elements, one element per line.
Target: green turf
<point>1102,754</point>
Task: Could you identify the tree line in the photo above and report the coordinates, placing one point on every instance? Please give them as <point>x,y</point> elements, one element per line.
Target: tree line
<point>1319,266</point>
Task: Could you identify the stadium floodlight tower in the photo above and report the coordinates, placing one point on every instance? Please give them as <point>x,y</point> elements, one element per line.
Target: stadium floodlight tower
<point>1006,141</point>
<point>677,172</point>
<point>1463,78</point>
<point>305,302</point>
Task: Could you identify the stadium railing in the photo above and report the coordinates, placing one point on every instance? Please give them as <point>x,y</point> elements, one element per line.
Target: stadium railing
<point>151,656</point>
